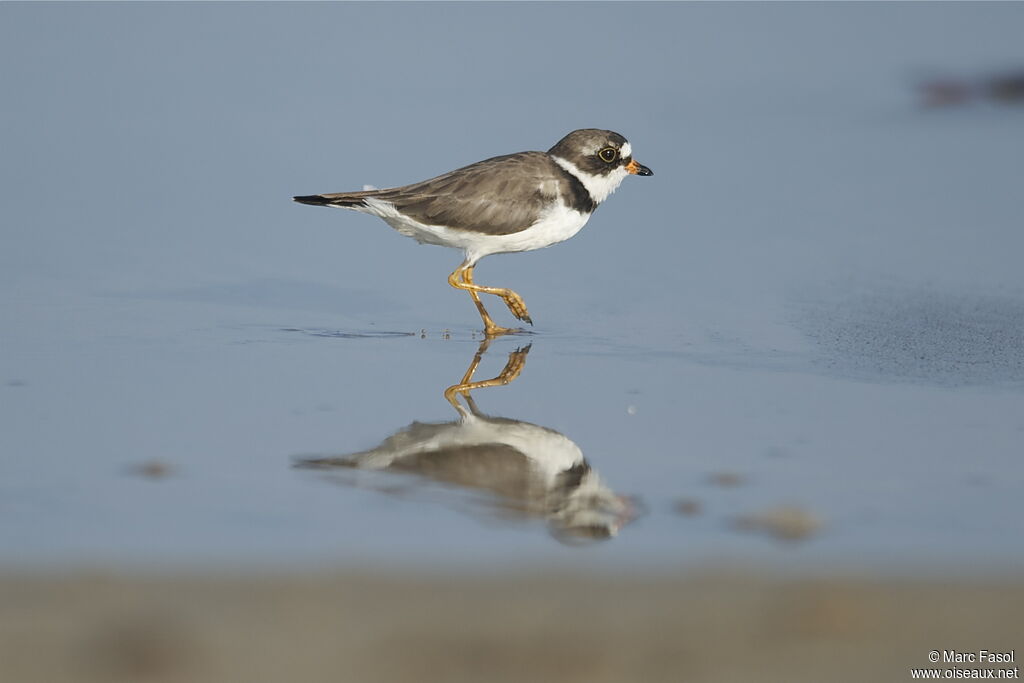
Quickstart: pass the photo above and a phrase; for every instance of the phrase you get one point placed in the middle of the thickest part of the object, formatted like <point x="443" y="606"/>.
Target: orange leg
<point x="462" y="278"/>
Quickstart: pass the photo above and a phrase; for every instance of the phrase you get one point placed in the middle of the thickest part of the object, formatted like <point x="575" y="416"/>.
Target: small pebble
<point x="726" y="479"/>
<point x="687" y="507"/>
<point x="784" y="522"/>
<point x="153" y="469"/>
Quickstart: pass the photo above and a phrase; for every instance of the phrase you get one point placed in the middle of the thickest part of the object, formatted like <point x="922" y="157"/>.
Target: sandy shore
<point x="360" y="627"/>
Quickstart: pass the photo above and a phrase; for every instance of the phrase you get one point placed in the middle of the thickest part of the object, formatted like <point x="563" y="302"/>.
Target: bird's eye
<point x="608" y="154"/>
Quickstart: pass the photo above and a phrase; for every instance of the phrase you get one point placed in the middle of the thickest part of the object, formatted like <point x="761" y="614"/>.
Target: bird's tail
<point x="346" y="200"/>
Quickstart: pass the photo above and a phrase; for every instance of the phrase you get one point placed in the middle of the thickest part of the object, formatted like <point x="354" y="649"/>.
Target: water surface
<point x="800" y="343"/>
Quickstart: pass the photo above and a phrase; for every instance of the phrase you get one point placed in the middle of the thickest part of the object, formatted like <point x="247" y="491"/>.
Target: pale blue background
<point x="821" y="287"/>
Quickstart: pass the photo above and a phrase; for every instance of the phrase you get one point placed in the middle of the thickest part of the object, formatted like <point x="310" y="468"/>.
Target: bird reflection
<point x="521" y="470"/>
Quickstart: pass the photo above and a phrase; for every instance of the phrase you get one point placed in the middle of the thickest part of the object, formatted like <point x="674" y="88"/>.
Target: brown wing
<point x="498" y="196"/>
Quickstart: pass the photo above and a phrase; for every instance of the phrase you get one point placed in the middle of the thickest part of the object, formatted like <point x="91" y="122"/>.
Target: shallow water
<point x="801" y="343"/>
<point x="885" y="472"/>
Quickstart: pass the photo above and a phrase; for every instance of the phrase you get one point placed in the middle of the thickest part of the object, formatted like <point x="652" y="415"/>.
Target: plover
<point x="516" y="202"/>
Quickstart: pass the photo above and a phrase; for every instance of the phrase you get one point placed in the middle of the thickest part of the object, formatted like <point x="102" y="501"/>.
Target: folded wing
<point x="498" y="196"/>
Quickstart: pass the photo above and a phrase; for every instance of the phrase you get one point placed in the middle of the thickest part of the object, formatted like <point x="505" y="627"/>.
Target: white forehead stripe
<point x="626" y="150"/>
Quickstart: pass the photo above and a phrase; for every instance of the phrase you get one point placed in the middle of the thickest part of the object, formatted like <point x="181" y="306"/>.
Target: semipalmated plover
<point x="516" y="202"/>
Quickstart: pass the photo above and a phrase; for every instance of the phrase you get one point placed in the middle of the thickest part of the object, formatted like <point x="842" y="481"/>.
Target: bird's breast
<point x="557" y="224"/>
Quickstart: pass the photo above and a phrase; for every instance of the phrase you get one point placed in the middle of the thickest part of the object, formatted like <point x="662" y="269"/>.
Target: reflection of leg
<point x="467" y="378"/>
<point x="514" y="366"/>
<point x="512" y="369"/>
<point x="462" y="278"/>
<point x="471" y="370"/>
<point x="471" y="403"/>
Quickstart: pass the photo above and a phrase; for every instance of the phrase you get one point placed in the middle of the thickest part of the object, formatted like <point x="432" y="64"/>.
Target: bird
<point x="510" y="203"/>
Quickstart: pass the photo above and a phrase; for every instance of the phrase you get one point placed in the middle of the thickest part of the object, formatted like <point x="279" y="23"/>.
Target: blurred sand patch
<point x="701" y="627"/>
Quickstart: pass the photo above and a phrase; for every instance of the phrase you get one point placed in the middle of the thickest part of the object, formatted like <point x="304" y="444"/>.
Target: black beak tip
<point x="644" y="171"/>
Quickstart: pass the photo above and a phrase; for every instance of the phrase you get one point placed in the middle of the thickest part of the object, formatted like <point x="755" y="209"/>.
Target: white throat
<point x="599" y="186"/>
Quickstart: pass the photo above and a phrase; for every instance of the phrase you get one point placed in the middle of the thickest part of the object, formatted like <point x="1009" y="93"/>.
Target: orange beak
<point x="636" y="168"/>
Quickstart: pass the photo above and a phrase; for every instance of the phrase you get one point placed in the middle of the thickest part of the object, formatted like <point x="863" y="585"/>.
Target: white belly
<point x="556" y="225"/>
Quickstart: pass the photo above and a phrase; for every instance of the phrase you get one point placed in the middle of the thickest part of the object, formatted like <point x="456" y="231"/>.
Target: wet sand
<point x="710" y="626"/>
